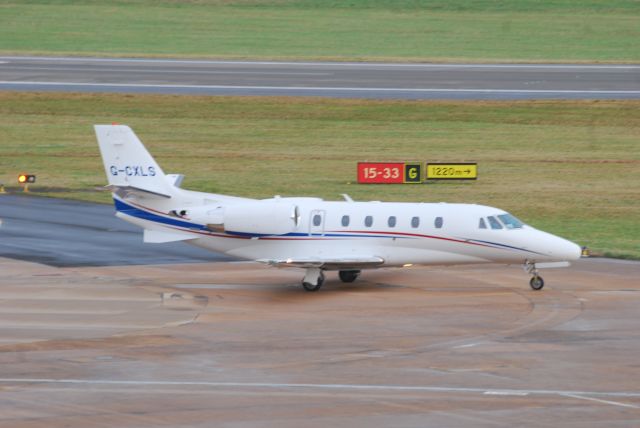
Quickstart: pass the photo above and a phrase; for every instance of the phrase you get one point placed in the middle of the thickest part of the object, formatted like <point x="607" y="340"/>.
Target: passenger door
<point x="316" y="223"/>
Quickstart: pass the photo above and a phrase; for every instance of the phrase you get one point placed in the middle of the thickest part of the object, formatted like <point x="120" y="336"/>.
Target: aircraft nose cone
<point x="566" y="250"/>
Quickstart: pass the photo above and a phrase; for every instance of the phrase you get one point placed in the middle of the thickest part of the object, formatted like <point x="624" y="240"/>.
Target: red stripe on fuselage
<point x="312" y="238"/>
<point x="415" y="235"/>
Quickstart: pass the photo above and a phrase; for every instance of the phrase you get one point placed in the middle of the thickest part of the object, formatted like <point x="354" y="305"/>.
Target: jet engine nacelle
<point x="255" y="218"/>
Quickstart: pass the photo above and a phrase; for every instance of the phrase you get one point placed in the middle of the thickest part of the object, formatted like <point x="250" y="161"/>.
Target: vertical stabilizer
<point x="127" y="162"/>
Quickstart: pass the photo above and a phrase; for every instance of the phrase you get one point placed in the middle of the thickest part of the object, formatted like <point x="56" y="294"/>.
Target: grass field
<point x="410" y="30"/>
<point x="572" y="168"/>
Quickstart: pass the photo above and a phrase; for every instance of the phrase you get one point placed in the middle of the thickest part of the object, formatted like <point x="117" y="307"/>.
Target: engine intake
<point x="255" y="218"/>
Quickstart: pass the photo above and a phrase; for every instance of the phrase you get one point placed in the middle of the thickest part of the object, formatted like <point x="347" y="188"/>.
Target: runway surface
<point x="240" y="344"/>
<point x="325" y="79"/>
<point x="61" y="232"/>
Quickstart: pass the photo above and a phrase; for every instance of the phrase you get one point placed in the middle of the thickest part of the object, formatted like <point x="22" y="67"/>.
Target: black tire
<point x="536" y="283"/>
<point x="348" y="275"/>
<point x="310" y="287"/>
<point x="314" y="287"/>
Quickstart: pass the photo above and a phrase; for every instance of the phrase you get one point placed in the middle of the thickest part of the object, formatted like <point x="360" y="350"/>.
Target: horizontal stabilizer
<point x="124" y="191"/>
<point x="333" y="263"/>
<point x="159" y="237"/>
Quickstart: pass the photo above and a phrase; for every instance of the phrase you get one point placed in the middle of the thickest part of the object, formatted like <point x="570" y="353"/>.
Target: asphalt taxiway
<point x="240" y="344"/>
<point x="61" y="232"/>
<point x="325" y="79"/>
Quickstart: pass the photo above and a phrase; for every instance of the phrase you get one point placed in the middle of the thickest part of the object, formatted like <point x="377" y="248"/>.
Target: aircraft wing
<point x="333" y="263"/>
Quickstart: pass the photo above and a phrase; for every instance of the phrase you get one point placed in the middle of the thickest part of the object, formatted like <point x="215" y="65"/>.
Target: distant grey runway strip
<point x="324" y="79"/>
<point x="60" y="232"/>
<point x="159" y="386"/>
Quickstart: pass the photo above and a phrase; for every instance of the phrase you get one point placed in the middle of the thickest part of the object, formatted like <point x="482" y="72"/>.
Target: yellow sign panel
<point x="452" y="171"/>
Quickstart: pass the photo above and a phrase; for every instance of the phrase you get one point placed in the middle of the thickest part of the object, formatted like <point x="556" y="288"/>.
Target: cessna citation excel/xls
<point x="318" y="235"/>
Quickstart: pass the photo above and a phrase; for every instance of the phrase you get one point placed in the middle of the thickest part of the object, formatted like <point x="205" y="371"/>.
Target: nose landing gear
<point x="536" y="281"/>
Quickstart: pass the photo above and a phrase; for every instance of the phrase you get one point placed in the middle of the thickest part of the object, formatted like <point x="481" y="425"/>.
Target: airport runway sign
<point x="389" y="172"/>
<point x="452" y="171"/>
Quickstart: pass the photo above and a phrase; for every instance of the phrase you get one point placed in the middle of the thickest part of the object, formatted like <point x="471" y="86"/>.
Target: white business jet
<point x="314" y="234"/>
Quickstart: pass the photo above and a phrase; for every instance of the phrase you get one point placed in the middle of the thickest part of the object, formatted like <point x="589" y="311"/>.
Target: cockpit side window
<point x="510" y="222"/>
<point x="482" y="224"/>
<point x="495" y="224"/>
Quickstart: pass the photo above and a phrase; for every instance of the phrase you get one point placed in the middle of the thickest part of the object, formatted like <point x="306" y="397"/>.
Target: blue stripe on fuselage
<point x="313" y="235"/>
<point x="146" y="215"/>
<point x="127" y="209"/>
<point x="505" y="246"/>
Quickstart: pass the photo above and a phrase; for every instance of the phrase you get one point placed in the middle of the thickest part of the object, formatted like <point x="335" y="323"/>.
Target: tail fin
<point x="128" y="164"/>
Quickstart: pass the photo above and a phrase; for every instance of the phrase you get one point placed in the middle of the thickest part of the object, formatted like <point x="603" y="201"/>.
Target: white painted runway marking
<point x="333" y="386"/>
<point x="322" y="89"/>
<point x="613" y="403"/>
<point x="507" y="393"/>
<point x="166" y="71"/>
<point x="333" y="64"/>
<point x="469" y="345"/>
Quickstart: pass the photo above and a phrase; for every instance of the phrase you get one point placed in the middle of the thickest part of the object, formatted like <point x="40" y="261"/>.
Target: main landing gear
<point x="536" y="281"/>
<point x="314" y="278"/>
<point x="348" y="275"/>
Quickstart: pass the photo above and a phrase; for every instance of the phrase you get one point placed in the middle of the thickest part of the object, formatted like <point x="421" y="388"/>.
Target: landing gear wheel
<point x="536" y="282"/>
<point x="308" y="286"/>
<point x="348" y="275"/>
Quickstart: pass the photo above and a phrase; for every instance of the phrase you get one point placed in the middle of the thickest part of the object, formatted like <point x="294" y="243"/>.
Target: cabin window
<point x="392" y="221"/>
<point x="438" y="222"/>
<point x="510" y="222"/>
<point x="345" y="220"/>
<point x="368" y="221"/>
<point x="317" y="220"/>
<point x="415" y="222"/>
<point x="495" y="224"/>
<point x="482" y="224"/>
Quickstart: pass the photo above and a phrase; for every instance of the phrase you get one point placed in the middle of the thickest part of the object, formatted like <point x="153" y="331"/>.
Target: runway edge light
<point x="25" y="179"/>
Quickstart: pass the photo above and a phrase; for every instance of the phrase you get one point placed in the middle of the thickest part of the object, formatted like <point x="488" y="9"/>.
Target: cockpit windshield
<point x="510" y="222"/>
